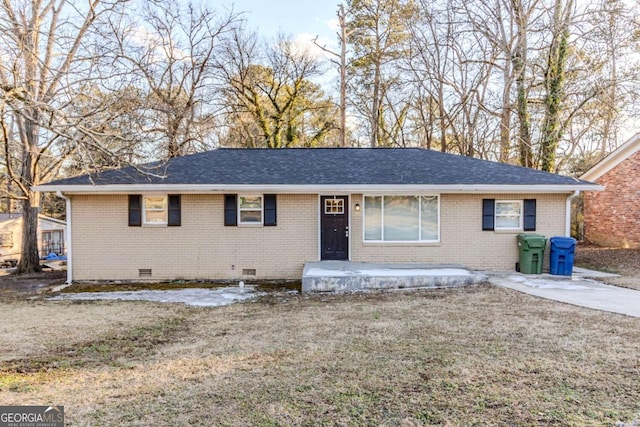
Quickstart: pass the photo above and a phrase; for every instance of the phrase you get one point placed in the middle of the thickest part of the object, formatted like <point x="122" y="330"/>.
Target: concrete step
<point x="346" y="276"/>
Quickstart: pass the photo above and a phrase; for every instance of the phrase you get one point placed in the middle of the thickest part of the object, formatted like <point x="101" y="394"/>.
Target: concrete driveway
<point x="582" y="289"/>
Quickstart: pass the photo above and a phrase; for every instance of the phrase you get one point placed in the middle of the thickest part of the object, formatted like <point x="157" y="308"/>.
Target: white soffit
<point x="313" y="189"/>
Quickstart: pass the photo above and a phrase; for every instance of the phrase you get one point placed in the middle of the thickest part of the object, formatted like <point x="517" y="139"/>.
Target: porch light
<point x="357" y="207"/>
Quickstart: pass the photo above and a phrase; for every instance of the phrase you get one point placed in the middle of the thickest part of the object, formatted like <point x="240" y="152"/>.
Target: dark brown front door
<point x="334" y="227"/>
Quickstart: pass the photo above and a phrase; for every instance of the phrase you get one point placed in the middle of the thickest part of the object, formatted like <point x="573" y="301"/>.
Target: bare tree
<point x="556" y="78"/>
<point x="522" y="13"/>
<point x="601" y="90"/>
<point x="495" y="21"/>
<point x="340" y="60"/>
<point x="452" y="63"/>
<point x="379" y="35"/>
<point x="430" y="62"/>
<point x="173" y="51"/>
<point x="46" y="54"/>
<point x="563" y="14"/>
<point x="270" y="98"/>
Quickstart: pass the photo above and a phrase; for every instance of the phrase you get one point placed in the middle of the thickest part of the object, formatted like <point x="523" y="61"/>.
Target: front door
<point x="334" y="227"/>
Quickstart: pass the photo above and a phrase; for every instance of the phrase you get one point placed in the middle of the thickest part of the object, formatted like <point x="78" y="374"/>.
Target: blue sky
<point x="301" y="20"/>
<point x="292" y="17"/>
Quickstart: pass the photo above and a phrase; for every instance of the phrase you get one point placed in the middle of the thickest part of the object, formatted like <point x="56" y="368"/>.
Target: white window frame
<point x="339" y="206"/>
<point x="364" y="207"/>
<point x="240" y="209"/>
<point x="520" y="219"/>
<point x="166" y="209"/>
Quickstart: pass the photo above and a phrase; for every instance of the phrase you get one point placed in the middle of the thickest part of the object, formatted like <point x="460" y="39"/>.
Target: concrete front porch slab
<point x="345" y="276"/>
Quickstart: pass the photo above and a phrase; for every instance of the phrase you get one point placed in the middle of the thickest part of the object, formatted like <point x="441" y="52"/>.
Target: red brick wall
<point x="612" y="216"/>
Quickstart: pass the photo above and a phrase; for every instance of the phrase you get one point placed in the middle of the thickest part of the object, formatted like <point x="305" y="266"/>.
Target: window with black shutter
<point x="270" y="217"/>
<point x="250" y="210"/>
<point x="488" y="209"/>
<point x="529" y="215"/>
<point x="230" y="210"/>
<point x="174" y="215"/>
<point x="135" y="210"/>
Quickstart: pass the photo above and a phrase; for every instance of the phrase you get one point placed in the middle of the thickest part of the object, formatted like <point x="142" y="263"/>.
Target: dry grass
<point x="625" y="262"/>
<point x="478" y="356"/>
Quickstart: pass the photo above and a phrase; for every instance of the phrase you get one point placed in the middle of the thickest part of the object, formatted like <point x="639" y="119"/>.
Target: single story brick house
<point x="261" y="214"/>
<point x="612" y="216"/>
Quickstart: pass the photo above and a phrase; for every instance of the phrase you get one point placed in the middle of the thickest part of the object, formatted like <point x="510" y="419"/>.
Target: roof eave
<point x="613" y="159"/>
<point x="306" y="189"/>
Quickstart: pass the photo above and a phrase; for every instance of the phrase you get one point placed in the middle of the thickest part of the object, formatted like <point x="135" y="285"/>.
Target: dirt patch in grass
<point x="625" y="262"/>
<point x="22" y="286"/>
<point x="180" y="284"/>
<point x="18" y="287"/>
<point x="475" y="356"/>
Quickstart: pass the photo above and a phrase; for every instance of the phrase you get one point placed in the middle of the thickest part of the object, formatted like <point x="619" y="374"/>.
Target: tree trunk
<point x="343" y="75"/>
<point x="443" y="117"/>
<point x="505" y="117"/>
<point x="554" y="82"/>
<point x="522" y="101"/>
<point x="30" y="136"/>
<point x="375" y="106"/>
<point x="524" y="136"/>
<point x="551" y="131"/>
<point x="30" y="259"/>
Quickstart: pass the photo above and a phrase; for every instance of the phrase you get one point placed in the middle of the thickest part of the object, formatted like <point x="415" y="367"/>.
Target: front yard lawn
<point x="475" y="356"/>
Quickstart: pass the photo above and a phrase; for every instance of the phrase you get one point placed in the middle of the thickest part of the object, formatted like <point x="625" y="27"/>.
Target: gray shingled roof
<point x="325" y="166"/>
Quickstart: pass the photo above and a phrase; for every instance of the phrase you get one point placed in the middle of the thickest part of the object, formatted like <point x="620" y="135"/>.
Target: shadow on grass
<point x="130" y="345"/>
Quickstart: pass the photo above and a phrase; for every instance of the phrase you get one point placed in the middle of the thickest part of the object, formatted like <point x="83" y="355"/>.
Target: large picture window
<point x="401" y="218"/>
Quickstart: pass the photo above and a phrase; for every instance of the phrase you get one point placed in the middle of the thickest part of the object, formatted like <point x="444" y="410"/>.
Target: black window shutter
<point x="488" y="212"/>
<point x="270" y="210"/>
<point x="135" y="210"/>
<point x="529" y="215"/>
<point x="175" y="216"/>
<point x="230" y="210"/>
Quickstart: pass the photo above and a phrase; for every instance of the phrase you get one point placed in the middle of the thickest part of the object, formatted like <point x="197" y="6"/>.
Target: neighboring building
<point x="51" y="234"/>
<point x="612" y="216"/>
<point x="261" y="214"/>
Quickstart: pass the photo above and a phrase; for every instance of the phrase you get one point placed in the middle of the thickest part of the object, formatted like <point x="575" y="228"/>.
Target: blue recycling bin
<point x="562" y="252"/>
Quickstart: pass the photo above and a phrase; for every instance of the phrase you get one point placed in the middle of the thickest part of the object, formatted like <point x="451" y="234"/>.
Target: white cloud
<point x="145" y="37"/>
<point x="333" y="24"/>
<point x="305" y="43"/>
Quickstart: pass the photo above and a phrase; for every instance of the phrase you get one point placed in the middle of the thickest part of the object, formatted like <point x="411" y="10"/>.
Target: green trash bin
<point x="531" y="253"/>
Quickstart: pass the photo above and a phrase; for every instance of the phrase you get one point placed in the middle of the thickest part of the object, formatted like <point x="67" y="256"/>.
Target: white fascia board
<point x="614" y="158"/>
<point x="312" y="189"/>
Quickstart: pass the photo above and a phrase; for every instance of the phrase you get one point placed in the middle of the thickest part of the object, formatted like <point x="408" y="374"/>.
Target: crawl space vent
<point x="248" y="271"/>
<point x="144" y="272"/>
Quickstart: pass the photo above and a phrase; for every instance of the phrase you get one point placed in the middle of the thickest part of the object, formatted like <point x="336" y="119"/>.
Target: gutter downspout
<point x="67" y="237"/>
<point x="567" y="210"/>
